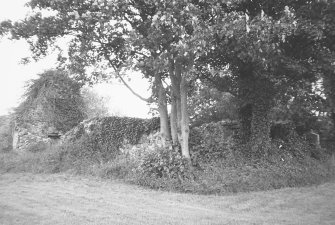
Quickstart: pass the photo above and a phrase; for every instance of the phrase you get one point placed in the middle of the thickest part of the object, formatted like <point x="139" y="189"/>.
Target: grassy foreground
<point x="228" y="174"/>
<point x="59" y="199"/>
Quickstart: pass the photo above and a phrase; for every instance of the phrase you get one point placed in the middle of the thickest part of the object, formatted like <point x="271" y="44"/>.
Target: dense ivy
<point x="111" y="133"/>
<point x="54" y="100"/>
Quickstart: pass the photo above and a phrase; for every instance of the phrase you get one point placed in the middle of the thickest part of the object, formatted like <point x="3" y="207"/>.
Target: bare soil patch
<point x="64" y="199"/>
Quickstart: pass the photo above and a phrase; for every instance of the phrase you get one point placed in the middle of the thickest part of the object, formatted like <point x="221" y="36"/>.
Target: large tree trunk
<point x="162" y="108"/>
<point x="245" y="118"/>
<point x="256" y="96"/>
<point x="245" y="107"/>
<point x="173" y="121"/>
<point x="174" y="104"/>
<point x="185" y="130"/>
<point x="179" y="114"/>
<point x="260" y="130"/>
<point x="263" y="93"/>
<point x="175" y="82"/>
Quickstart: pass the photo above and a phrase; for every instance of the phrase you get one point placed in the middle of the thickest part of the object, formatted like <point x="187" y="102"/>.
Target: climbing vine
<point x="111" y="133"/>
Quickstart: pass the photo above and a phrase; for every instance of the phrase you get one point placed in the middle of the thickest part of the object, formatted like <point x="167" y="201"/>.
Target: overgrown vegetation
<point x="113" y="132"/>
<point x="217" y="168"/>
<point x="52" y="99"/>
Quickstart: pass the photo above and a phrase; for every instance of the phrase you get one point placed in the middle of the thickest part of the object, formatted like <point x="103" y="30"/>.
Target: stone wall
<point x="29" y="136"/>
<point x="23" y="139"/>
<point x="148" y="143"/>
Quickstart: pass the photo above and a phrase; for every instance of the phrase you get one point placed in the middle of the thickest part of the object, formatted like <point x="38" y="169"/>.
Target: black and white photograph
<point x="167" y="112"/>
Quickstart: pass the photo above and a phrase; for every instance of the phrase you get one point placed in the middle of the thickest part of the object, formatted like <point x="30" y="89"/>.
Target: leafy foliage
<point x="165" y="163"/>
<point x="268" y="47"/>
<point x="301" y="106"/>
<point x="206" y="105"/>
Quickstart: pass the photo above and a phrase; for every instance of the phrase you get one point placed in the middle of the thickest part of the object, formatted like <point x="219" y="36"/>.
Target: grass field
<point x="65" y="199"/>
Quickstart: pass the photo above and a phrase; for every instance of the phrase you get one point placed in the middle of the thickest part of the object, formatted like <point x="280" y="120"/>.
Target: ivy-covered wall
<point x="112" y="133"/>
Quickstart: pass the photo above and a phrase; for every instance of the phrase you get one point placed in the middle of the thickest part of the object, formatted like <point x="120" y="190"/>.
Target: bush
<point x="165" y="163"/>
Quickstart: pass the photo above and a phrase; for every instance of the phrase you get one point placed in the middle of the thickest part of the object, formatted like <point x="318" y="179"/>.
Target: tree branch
<point x="148" y="100"/>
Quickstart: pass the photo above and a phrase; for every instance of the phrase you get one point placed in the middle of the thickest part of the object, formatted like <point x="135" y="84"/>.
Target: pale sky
<point x="13" y="75"/>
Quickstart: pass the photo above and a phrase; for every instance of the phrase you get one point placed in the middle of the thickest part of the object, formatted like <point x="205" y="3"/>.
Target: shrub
<point x="164" y="163"/>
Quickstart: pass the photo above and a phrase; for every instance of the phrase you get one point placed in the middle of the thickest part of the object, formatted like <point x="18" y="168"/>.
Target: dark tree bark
<point x="245" y="105"/>
<point x="245" y="118"/>
<point x="260" y="129"/>
<point x="256" y="96"/>
<point x="260" y="125"/>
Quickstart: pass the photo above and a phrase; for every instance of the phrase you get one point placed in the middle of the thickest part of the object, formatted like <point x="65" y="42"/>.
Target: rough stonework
<point x="27" y="136"/>
<point x="148" y="143"/>
<point x="83" y="128"/>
